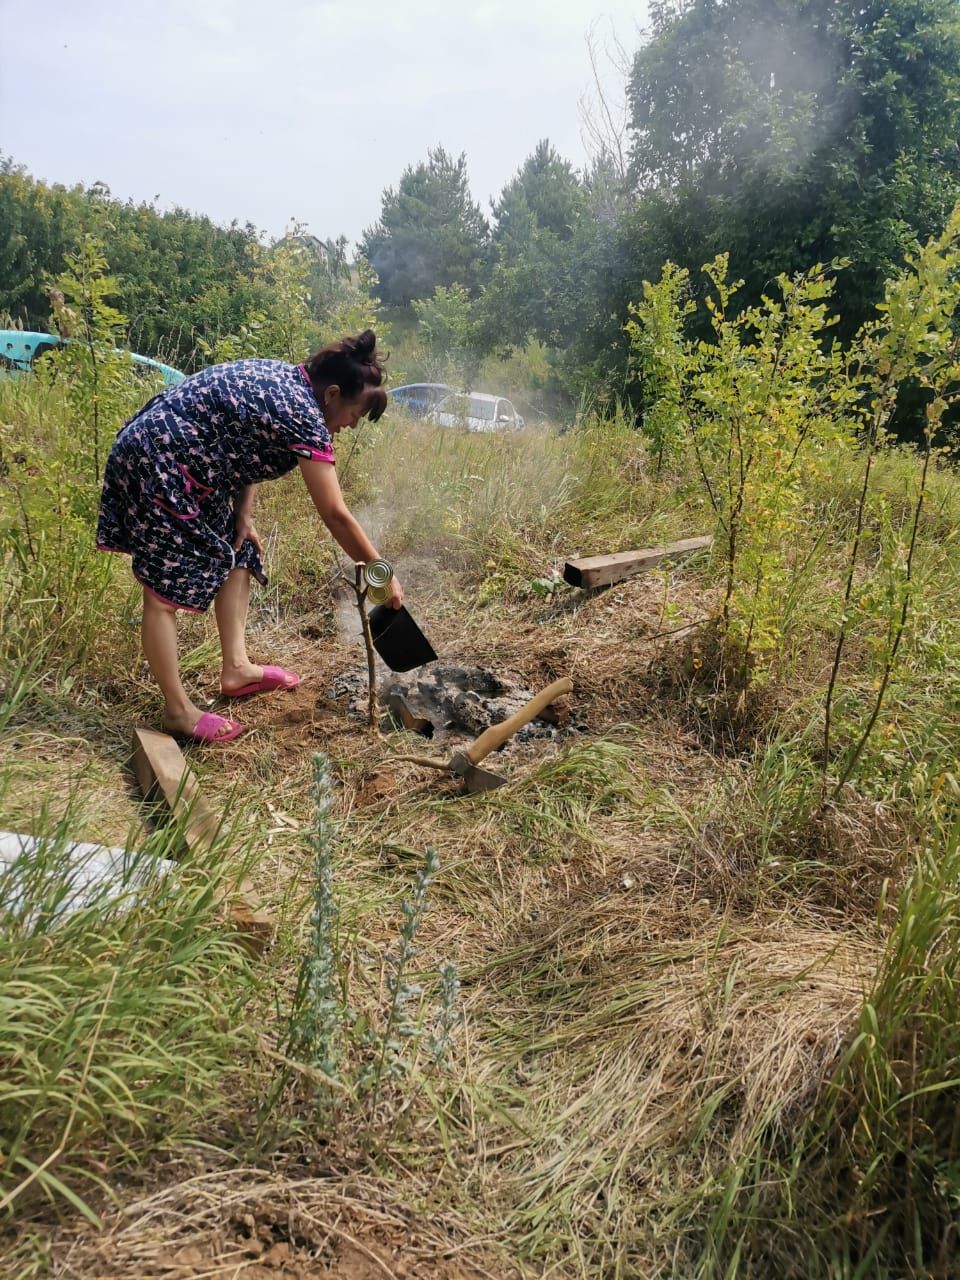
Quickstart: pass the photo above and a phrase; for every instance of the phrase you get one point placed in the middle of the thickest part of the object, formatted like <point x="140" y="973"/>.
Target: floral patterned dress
<point x="175" y="468"/>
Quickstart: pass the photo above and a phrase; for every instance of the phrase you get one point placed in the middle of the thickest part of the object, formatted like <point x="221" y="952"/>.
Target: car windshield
<point x="425" y="393"/>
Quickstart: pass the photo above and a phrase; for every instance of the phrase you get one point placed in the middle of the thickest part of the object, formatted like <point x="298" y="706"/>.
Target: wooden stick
<point x="500" y="733"/>
<point x="372" y="713"/>
<point x="424" y="761"/>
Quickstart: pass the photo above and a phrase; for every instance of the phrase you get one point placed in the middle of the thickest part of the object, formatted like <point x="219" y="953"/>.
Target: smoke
<point x="731" y="88"/>
<point x="796" y="74"/>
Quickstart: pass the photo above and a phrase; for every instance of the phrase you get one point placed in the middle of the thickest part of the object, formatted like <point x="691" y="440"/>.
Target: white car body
<point x="476" y="411"/>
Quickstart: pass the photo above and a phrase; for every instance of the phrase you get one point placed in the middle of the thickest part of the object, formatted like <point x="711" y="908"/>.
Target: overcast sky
<point x="265" y="110"/>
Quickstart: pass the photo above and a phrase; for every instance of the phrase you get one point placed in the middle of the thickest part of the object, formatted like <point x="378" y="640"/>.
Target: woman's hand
<point x="243" y="519"/>
<point x="321" y="480"/>
<point x="243" y="524"/>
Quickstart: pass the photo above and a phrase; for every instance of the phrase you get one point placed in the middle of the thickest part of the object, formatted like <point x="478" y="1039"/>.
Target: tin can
<point x="378" y="574"/>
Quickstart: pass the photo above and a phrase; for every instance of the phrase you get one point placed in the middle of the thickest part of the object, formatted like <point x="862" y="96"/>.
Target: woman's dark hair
<point x="354" y="365"/>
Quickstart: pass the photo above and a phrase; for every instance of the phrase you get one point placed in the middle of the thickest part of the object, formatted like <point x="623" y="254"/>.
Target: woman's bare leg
<point x="230" y="607"/>
<point x="159" y="635"/>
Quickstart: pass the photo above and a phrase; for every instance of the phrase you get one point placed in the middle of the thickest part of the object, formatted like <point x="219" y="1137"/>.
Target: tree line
<point x="189" y="290"/>
<point x="782" y="132"/>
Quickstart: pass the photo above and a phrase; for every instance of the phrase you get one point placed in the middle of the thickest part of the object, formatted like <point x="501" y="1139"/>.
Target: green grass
<point x="709" y="1011"/>
<point x="122" y="1019"/>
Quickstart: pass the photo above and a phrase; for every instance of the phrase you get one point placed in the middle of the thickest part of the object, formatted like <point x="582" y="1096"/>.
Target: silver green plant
<point x="441" y="1037"/>
<point x="401" y="1024"/>
<point x="318" y="1009"/>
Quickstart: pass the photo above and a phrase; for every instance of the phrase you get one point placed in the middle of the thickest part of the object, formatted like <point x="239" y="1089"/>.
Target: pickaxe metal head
<point x="466" y="762"/>
<point x="477" y="779"/>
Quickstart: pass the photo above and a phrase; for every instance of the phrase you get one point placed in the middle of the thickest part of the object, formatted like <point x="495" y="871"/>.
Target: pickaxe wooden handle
<point x="498" y="734"/>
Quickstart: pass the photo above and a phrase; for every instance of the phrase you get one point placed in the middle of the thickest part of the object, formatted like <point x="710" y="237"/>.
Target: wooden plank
<point x="160" y="765"/>
<point x="601" y="571"/>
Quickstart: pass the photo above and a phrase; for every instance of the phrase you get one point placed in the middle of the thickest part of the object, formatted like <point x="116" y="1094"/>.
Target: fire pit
<point x="444" y="701"/>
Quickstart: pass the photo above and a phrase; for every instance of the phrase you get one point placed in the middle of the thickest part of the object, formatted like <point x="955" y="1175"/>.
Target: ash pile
<point x="443" y="700"/>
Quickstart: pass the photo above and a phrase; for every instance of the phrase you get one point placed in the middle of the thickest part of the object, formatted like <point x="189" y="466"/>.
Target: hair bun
<point x="364" y="346"/>
<point x="354" y="364"/>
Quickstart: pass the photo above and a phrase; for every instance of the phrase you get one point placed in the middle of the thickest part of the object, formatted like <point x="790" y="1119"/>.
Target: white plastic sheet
<point x="80" y="874"/>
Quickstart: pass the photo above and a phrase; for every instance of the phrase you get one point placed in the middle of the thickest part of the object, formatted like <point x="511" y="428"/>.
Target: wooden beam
<point x="160" y="766"/>
<point x="601" y="571"/>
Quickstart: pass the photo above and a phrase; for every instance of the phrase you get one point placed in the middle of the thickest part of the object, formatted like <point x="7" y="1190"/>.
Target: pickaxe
<point x="466" y="762"/>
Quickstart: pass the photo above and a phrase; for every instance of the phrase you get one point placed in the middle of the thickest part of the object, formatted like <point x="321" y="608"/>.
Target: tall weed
<point x="348" y="1053"/>
<point x="895" y="1099"/>
<point x="62" y="603"/>
<point x="121" y="1014"/>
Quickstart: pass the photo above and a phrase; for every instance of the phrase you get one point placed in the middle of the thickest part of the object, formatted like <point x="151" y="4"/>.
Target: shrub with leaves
<point x="915" y="340"/>
<point x="345" y="300"/>
<point x="101" y="387"/>
<point x="447" y="334"/>
<point x="658" y="360"/>
<point x="756" y="404"/>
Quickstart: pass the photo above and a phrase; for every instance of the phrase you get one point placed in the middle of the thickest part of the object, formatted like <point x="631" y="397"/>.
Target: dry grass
<point x="256" y="1224"/>
<point x="661" y="958"/>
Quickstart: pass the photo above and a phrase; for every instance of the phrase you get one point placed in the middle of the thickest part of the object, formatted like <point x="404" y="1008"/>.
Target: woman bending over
<point x="178" y="498"/>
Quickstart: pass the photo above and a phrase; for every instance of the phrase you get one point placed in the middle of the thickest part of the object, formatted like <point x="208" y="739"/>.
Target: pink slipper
<point x="209" y="728"/>
<point x="273" y="678"/>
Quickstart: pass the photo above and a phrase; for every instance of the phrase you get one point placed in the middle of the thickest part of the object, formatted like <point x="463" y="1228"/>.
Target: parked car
<point x="419" y="397"/>
<point x="21" y="348"/>
<point x="476" y="411"/>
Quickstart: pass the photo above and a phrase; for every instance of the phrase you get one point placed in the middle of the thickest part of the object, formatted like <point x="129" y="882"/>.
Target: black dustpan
<point x="398" y="639"/>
